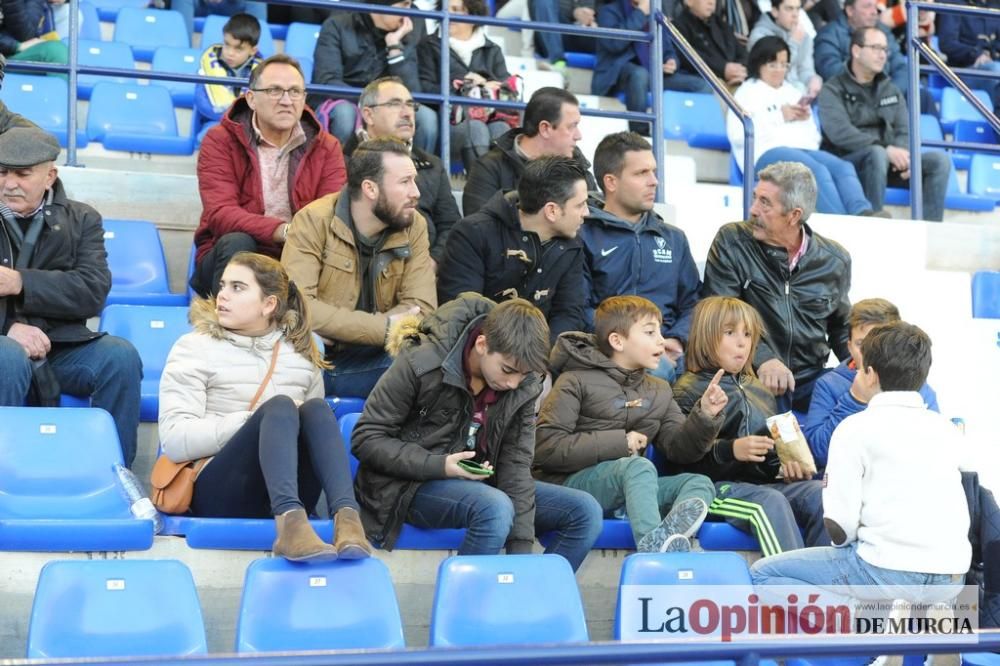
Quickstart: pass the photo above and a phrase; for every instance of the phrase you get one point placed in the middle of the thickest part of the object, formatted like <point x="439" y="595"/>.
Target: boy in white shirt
<point x="893" y="472"/>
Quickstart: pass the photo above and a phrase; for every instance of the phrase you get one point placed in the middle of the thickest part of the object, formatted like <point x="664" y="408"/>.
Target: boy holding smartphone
<point x="447" y="435"/>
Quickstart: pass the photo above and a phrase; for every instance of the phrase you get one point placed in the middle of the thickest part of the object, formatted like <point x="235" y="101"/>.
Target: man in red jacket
<point x="266" y="159"/>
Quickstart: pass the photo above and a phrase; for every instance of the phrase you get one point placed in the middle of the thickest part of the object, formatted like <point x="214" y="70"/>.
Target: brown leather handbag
<point x="173" y="483"/>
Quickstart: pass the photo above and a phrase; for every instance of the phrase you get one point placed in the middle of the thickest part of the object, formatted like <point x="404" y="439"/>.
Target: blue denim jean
<point x="839" y="190"/>
<point x="487" y="515"/>
<point x="107" y="369"/>
<point x="344" y="120"/>
<point x="632" y="483"/>
<point x="872" y="164"/>
<point x="191" y="8"/>
<point x="355" y="371"/>
<point x="842" y="567"/>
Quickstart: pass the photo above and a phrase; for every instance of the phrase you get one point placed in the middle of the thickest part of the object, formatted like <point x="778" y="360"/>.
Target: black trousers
<point x="208" y="271"/>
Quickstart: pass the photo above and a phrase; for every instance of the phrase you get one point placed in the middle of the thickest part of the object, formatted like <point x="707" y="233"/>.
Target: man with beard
<point x="264" y="161"/>
<point x="629" y="249"/>
<point x="523" y="244"/>
<point x="388" y="109"/>
<point x="361" y="259"/>
<point x="796" y="279"/>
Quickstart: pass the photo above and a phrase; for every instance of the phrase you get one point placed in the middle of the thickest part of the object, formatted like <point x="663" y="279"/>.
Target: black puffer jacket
<point x="500" y="170"/>
<point x="804" y="311"/>
<point x="437" y="204"/>
<point x="746" y="413"/>
<point x="420" y="412"/>
<point x="490" y="254"/>
<point x="67" y="280"/>
<point x="594" y="403"/>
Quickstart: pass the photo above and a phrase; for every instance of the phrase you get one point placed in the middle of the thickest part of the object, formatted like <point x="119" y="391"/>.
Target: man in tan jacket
<point x="362" y="259"/>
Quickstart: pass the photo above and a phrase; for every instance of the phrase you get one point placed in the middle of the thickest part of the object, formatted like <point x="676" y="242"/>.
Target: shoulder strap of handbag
<point x="267" y="377"/>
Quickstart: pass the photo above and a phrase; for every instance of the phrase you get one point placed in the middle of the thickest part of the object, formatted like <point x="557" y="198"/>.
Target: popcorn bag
<point x="790" y="442"/>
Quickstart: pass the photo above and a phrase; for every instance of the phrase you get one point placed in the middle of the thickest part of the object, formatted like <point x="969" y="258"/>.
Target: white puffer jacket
<point x="210" y="377"/>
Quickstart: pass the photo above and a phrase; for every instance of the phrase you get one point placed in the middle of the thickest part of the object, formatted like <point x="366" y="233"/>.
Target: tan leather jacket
<point x="322" y="259"/>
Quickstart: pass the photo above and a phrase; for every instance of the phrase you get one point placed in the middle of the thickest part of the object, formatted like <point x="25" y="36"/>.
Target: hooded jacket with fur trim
<point x="212" y="374"/>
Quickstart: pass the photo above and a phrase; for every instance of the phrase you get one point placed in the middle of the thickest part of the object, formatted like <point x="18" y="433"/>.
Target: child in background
<point x="893" y="494"/>
<point x="603" y="410"/>
<point x="236" y="57"/>
<point x="743" y="463"/>
<point x="842" y="392"/>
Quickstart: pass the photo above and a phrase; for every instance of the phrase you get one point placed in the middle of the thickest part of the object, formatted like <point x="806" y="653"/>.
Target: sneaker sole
<point x="685" y="517"/>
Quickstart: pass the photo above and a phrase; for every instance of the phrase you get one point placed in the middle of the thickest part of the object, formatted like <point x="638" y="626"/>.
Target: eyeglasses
<point x="398" y="104"/>
<point x="276" y="93"/>
<point x="876" y="47"/>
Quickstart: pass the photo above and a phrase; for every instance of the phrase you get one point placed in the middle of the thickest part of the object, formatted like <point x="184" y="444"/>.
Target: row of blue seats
<point x="133" y="608"/>
<point x="58" y="493"/>
<point x="146" y="608"/>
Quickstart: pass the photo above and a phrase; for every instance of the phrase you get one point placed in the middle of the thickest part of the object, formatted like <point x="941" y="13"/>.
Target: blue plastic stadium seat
<point x="102" y="54"/>
<point x="581" y="60"/>
<point x="147" y="29"/>
<point x="115" y="608"/>
<point x="211" y="33"/>
<point x="984" y="175"/>
<point x="695" y="118"/>
<point x="135" y="118"/>
<point x="177" y="60"/>
<point x="300" y="42"/>
<point x="986" y="295"/>
<point x="955" y="107"/>
<point x="971" y="131"/>
<point x="42" y="100"/>
<point x="307" y="68"/>
<point x="955" y="198"/>
<point x="346" y="405"/>
<point x="138" y="266"/>
<point x="720" y="536"/>
<point x="58" y="491"/>
<point x="90" y="27"/>
<point x="108" y="9"/>
<point x="344" y="605"/>
<point x="498" y="599"/>
<point x="980" y="659"/>
<point x="152" y="330"/>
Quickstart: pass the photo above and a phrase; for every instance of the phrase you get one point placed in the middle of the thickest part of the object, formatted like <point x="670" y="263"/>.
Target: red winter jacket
<point x="232" y="196"/>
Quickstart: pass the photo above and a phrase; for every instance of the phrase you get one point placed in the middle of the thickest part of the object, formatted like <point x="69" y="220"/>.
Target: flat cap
<point x="27" y="146"/>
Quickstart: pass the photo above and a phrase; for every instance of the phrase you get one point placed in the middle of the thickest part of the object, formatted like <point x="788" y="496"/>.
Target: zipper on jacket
<point x="745" y="426"/>
<point x="788" y="309"/>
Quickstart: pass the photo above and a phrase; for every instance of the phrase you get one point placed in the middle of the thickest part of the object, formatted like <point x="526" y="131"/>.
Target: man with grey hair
<point x="388" y="110"/>
<point x="53" y="277"/>
<point x="796" y="279"/>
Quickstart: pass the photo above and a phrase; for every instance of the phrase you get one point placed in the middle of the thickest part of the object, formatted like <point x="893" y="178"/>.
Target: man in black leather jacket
<point x="798" y="281"/>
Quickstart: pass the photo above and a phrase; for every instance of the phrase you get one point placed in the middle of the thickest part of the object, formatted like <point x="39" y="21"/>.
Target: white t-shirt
<point x="893" y="483"/>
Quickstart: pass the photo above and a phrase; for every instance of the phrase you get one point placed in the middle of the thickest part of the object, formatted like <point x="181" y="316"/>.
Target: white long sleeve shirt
<point x="893" y="483"/>
<point x="771" y="130"/>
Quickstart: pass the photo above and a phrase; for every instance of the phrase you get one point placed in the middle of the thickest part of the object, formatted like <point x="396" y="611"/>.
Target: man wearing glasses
<point x="266" y="159"/>
<point x="388" y="110"/>
<point x="864" y="120"/>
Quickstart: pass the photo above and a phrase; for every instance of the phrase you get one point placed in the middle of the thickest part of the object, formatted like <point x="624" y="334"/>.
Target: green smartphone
<point x="472" y="467"/>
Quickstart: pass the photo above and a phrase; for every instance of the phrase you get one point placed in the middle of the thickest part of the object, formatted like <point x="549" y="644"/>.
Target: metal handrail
<point x="914" y="49"/>
<point x="444" y="98"/>
<point x="722" y="91"/>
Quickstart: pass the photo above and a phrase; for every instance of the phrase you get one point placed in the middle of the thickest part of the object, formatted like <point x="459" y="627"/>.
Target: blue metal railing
<point x="914" y="50"/>
<point x="722" y="91"/>
<point x="747" y="653"/>
<point x="445" y="97"/>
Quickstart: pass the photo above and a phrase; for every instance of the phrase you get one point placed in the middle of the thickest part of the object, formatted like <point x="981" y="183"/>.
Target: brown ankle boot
<point x="349" y="536"/>
<point x="297" y="541"/>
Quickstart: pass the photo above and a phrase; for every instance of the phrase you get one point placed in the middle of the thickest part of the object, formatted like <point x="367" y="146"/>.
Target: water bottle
<point x="139" y="504"/>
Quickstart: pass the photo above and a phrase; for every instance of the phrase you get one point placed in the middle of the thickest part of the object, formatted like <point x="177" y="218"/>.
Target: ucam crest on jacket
<point x="419" y="413"/>
<point x="594" y="403"/>
<point x="229" y="179"/>
<point x="650" y="258"/>
<point x="212" y="374"/>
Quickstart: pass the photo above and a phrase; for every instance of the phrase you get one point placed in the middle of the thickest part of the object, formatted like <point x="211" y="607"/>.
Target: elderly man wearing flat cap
<point x="355" y="49"/>
<point x="53" y="276"/>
